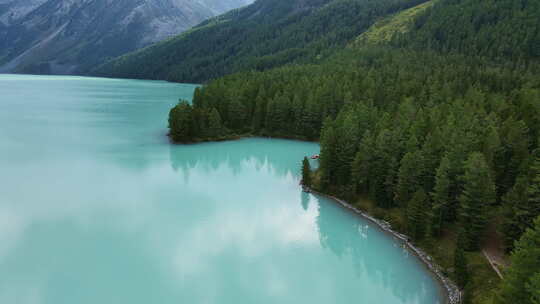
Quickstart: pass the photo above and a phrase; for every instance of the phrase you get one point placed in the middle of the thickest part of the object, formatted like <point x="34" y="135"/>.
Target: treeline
<point x="264" y="35"/>
<point x="504" y="30"/>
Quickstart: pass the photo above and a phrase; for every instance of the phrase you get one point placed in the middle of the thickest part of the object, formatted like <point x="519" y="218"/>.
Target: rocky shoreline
<point x="452" y="291"/>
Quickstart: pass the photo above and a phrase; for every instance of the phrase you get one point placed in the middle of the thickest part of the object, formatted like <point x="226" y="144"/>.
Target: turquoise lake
<point x="96" y="206"/>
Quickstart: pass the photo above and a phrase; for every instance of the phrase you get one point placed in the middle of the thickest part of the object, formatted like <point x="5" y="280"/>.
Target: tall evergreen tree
<point x="181" y="122"/>
<point x="532" y="209"/>
<point x="329" y="142"/>
<point x="306" y="172"/>
<point x="215" y="128"/>
<point x="477" y="195"/>
<point x="533" y="287"/>
<point x="409" y="176"/>
<point x="460" y="262"/>
<point x="525" y="263"/>
<point x="416" y="211"/>
<point x="441" y="196"/>
<point x="236" y="113"/>
<point x="512" y="226"/>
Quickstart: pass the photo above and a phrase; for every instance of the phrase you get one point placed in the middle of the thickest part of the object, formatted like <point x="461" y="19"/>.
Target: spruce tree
<point x="416" y="212"/>
<point x="441" y="196"/>
<point x="525" y="263"/>
<point x="181" y="122"/>
<point x="533" y="287"/>
<point x="236" y="113"/>
<point x="258" y="119"/>
<point x="532" y="209"/>
<point x="306" y="172"/>
<point x="512" y="222"/>
<point x="409" y="177"/>
<point x="215" y="128"/>
<point x="361" y="166"/>
<point x="329" y="140"/>
<point x="477" y="195"/>
<point x="460" y="263"/>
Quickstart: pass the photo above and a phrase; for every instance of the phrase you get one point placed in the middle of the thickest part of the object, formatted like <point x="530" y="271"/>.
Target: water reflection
<point x="304" y="198"/>
<point x="276" y="153"/>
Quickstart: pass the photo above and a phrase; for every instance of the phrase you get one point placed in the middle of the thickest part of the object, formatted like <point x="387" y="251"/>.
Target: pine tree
<point x="360" y="168"/>
<point x="236" y="113"/>
<point x="533" y="287"/>
<point x="409" y="177"/>
<point x="215" y="128"/>
<point x="525" y="263"/>
<point x="181" y="122"/>
<point x="306" y="172"/>
<point x="460" y="263"/>
<point x="441" y="196"/>
<point x="416" y="212"/>
<point x="346" y="147"/>
<point x="477" y="195"/>
<point x="329" y="140"/>
<point x="512" y="225"/>
<point x="532" y="209"/>
<point x="257" y="122"/>
<point x="198" y="100"/>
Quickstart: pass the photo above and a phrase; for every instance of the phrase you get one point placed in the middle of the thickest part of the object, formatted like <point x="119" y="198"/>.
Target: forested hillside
<point x="264" y="35"/>
<point x="435" y="130"/>
<point x="506" y="30"/>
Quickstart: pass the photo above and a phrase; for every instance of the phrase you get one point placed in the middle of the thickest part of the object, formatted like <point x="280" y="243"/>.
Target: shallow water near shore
<point x="96" y="206"/>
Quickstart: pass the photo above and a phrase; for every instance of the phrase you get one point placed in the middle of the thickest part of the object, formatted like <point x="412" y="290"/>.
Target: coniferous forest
<point x="435" y="129"/>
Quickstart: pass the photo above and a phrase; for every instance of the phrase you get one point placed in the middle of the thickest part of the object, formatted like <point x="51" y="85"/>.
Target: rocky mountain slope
<point x="263" y="35"/>
<point x="72" y="36"/>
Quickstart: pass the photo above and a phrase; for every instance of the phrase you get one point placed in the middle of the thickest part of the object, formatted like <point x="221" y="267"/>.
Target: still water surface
<point x="97" y="207"/>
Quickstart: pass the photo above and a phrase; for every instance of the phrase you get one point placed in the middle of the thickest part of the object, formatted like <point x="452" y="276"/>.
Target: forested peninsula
<point x="427" y="113"/>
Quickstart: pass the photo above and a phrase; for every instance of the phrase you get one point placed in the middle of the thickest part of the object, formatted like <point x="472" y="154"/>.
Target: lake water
<point x="97" y="207"/>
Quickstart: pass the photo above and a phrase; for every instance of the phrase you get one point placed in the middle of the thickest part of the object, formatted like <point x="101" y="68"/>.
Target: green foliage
<point x="215" y="127"/>
<point x="416" y="211"/>
<point x="522" y="203"/>
<point x="181" y="122"/>
<point x="478" y="194"/>
<point x="498" y="29"/>
<point x="189" y="123"/>
<point x="409" y="176"/>
<point x="522" y="276"/>
<point x="460" y="263"/>
<point x="441" y="196"/>
<point x="533" y="287"/>
<point x="306" y="172"/>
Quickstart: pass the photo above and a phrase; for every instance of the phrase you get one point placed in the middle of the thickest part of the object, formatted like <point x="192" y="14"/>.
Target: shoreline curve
<point x="452" y="292"/>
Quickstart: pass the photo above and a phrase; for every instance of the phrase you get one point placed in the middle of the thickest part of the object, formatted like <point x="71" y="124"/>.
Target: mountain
<point x="261" y="36"/>
<point x="13" y="10"/>
<point x="72" y="36"/>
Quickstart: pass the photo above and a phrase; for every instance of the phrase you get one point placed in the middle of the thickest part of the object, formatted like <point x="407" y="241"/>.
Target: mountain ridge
<point x="66" y="36"/>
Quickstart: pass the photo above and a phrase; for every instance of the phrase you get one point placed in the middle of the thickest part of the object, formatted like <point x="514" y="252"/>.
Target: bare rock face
<point x="72" y="36"/>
